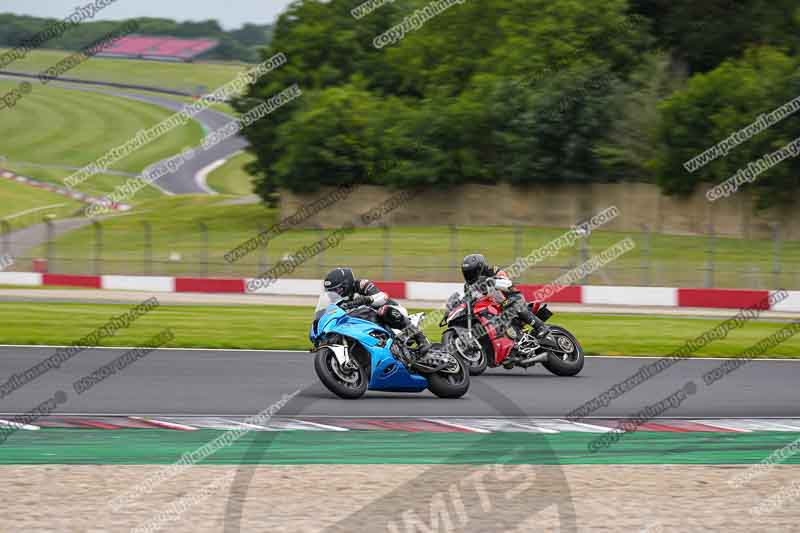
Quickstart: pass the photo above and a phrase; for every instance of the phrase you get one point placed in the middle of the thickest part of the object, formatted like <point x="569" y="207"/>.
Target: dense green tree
<point x="629" y="148"/>
<point x="459" y="86"/>
<point x="714" y="106"/>
<point x="331" y="137"/>
<point x="708" y="32"/>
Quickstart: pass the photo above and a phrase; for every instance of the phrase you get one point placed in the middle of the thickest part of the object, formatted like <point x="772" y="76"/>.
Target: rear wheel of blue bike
<point x="452" y="381"/>
<point x="457" y="342"/>
<point x="347" y="381"/>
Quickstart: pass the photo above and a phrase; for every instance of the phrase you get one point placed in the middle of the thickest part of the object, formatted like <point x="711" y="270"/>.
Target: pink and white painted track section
<point x="414" y="425"/>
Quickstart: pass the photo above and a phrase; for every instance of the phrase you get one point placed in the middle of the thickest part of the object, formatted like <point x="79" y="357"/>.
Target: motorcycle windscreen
<point x="325" y="299"/>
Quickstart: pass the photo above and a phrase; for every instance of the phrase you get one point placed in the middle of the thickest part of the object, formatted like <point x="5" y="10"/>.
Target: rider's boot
<point x="417" y="337"/>
<point x="541" y="331"/>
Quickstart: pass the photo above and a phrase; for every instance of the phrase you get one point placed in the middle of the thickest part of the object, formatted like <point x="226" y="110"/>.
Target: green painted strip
<point x="144" y="446"/>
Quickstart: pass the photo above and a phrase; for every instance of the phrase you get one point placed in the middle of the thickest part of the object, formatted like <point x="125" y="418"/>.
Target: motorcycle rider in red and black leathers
<point x="364" y="292"/>
<point x="476" y="272"/>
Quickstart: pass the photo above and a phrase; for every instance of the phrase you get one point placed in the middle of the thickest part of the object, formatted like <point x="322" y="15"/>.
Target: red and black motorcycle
<point x="484" y="335"/>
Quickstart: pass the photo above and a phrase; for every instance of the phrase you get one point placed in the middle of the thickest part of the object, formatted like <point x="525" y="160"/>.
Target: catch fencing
<point x="400" y="253"/>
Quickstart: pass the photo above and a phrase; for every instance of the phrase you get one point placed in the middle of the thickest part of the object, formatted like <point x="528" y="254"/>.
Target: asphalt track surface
<point x="241" y="382"/>
<point x="182" y="180"/>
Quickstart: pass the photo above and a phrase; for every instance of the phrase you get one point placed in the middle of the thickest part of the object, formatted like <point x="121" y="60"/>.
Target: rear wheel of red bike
<point x="569" y="363"/>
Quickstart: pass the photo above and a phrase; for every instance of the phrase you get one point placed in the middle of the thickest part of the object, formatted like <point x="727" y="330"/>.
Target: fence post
<point x="320" y="263"/>
<point x="262" y="250"/>
<point x="757" y="282"/>
<point x="387" y="252"/>
<point x="776" y="260"/>
<point x="204" y="252"/>
<point x="585" y="255"/>
<point x="51" y="245"/>
<point x="646" y="265"/>
<point x="518" y="238"/>
<point x="5" y="229"/>
<point x="98" y="246"/>
<point x="454" y="248"/>
<point x="148" y="248"/>
<point x="709" y="281"/>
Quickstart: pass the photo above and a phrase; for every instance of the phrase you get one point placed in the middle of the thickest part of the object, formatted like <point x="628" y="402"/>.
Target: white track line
<point x="321" y="426"/>
<point x="589" y="427"/>
<point x="159" y="349"/>
<point x="648" y="357"/>
<point x="714" y="423"/>
<point x="787" y="426"/>
<point x="202" y="174"/>
<point x="17" y="425"/>
<point x="247" y="425"/>
<point x="163" y="424"/>
<point x="9" y="217"/>
<point x="530" y="424"/>
<point x="457" y="426"/>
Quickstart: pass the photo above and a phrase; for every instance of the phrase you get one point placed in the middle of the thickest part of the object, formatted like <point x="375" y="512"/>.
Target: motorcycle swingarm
<point x="422" y="369"/>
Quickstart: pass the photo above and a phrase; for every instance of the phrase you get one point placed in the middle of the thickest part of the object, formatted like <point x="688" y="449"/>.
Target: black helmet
<point x="473" y="266"/>
<point x="340" y="281"/>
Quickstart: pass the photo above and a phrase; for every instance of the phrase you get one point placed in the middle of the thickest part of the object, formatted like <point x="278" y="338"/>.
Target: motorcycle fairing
<point x="388" y="373"/>
<point x="484" y="309"/>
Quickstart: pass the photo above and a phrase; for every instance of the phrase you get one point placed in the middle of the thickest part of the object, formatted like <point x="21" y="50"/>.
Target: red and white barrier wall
<point x="420" y="290"/>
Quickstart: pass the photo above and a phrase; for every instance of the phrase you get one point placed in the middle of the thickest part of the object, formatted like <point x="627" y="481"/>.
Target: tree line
<point x="527" y="92"/>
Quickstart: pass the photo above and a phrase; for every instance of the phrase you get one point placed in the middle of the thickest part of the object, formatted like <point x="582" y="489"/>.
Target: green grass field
<point x="154" y="446"/>
<point x="98" y="185"/>
<point x="280" y="327"/>
<point x="231" y="177"/>
<point x="414" y="253"/>
<point x="73" y="128"/>
<point x="51" y="130"/>
<point x="23" y="205"/>
<point x="178" y="76"/>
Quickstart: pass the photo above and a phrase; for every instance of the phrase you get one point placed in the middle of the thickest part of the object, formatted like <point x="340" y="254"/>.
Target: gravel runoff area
<point x="376" y="498"/>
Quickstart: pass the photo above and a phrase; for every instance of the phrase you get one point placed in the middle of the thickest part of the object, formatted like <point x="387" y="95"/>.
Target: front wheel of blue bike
<point x="349" y="382"/>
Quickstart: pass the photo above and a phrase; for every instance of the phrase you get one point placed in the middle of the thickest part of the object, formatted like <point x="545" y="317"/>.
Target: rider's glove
<point x="362" y="300"/>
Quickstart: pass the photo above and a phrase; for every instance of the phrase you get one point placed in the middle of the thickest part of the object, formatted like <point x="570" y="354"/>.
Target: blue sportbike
<point x="354" y="352"/>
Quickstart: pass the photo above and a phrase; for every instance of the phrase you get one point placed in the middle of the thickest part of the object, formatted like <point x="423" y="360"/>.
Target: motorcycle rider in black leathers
<point x="364" y="292"/>
<point x="476" y="271"/>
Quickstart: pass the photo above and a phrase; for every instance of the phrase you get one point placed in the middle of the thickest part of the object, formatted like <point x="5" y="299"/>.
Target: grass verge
<point x="144" y="446"/>
<point x="231" y="178"/>
<point x="23" y="205"/>
<point x="281" y="327"/>
<point x="74" y="128"/>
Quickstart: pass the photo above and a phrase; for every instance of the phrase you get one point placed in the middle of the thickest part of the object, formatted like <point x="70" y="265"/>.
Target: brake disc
<point x="565" y="344"/>
<point x="350" y="377"/>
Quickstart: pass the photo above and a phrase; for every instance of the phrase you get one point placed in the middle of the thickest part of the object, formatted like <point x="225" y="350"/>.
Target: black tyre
<point x="347" y="383"/>
<point x="568" y="364"/>
<point x="451" y="382"/>
<point x="474" y="356"/>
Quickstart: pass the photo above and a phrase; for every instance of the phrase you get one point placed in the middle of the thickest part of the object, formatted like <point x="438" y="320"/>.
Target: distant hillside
<point x="241" y="44"/>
